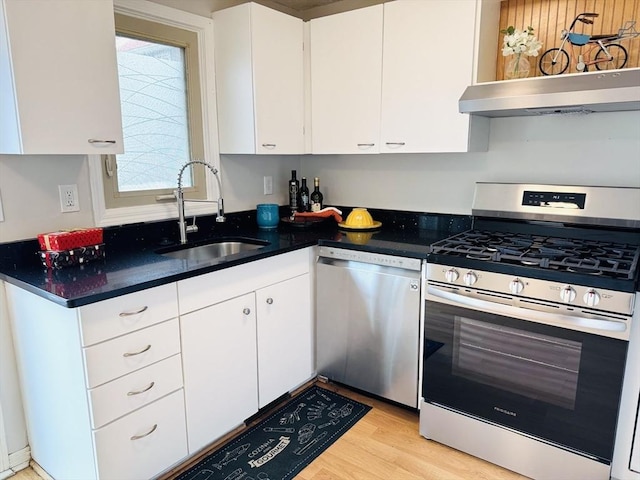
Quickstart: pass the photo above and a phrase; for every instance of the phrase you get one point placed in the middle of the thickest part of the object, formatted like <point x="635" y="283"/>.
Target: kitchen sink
<point x="212" y="249"/>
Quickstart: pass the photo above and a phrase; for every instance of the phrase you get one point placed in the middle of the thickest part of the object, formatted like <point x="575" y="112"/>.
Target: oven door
<point x="559" y="385"/>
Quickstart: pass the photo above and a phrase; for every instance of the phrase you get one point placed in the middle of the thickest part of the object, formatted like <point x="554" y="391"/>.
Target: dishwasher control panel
<point x="371" y="257"/>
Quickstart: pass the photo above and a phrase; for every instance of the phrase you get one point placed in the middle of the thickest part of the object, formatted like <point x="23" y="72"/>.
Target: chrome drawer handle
<point x="145" y="349"/>
<point x="269" y="145"/>
<point x="366" y="144"/>
<point x="128" y="314"/>
<point x="95" y="140"/>
<point x="138" y="437"/>
<point x="269" y="300"/>
<point x="138" y="392"/>
<point x="246" y="311"/>
<point x="397" y="144"/>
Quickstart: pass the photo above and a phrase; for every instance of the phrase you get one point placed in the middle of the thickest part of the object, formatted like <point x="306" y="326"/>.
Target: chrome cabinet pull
<point x="138" y="392"/>
<point x="269" y="145"/>
<point x="145" y="349"/>
<point x="246" y="311"/>
<point x="269" y="300"/>
<point x="138" y="437"/>
<point x="366" y="144"/>
<point x="128" y="314"/>
<point x="395" y="144"/>
<point x="96" y="140"/>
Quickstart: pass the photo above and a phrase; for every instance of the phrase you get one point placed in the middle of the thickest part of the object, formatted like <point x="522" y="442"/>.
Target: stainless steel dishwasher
<point x="368" y="322"/>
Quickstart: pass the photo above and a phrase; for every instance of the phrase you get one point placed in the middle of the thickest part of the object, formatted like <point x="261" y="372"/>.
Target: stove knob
<point x="451" y="275"/>
<point x="567" y="294"/>
<point x="592" y="298"/>
<point x="470" y="278"/>
<point x="516" y="286"/>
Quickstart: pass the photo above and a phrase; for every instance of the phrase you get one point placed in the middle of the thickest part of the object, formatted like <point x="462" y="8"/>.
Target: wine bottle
<point x="294" y="186"/>
<point x="304" y="196"/>
<point x="316" y="197"/>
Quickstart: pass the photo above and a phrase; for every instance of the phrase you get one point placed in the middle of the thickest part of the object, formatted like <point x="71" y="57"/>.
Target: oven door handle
<point x="609" y="328"/>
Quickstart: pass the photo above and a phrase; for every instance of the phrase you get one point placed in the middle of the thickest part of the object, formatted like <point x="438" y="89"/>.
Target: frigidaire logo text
<point x="506" y="412"/>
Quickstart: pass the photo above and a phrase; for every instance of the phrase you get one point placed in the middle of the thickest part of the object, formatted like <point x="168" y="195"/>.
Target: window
<point x="160" y="95"/>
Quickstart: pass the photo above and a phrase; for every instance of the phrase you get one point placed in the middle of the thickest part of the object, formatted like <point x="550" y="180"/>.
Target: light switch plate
<point x="1" y="214"/>
<point x="268" y="185"/>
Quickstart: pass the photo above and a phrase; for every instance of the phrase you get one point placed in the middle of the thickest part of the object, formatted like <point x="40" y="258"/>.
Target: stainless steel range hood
<point x="606" y="91"/>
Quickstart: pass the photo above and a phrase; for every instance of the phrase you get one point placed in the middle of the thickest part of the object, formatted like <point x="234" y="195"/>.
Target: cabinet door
<point x="285" y="338"/>
<point x="219" y="368"/>
<point x="424" y="74"/>
<point x="259" y="80"/>
<point x="346" y="64"/>
<point x="278" y="75"/>
<point x="59" y="78"/>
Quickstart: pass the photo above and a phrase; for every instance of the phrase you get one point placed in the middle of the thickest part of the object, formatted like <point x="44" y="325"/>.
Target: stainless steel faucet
<point x="182" y="224"/>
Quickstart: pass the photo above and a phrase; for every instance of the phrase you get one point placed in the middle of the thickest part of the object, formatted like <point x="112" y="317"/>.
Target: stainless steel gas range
<point x="528" y="318"/>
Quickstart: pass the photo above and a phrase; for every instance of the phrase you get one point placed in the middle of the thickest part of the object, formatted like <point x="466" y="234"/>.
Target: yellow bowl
<point x="359" y="218"/>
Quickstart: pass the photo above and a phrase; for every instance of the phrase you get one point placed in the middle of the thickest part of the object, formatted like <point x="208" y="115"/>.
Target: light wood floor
<point x="384" y="445"/>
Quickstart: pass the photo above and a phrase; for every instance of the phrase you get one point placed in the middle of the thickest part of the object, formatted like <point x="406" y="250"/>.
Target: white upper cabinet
<point x="387" y="79"/>
<point x="259" y="80"/>
<point x="428" y="61"/>
<point x="58" y="78"/>
<point x="346" y="64"/>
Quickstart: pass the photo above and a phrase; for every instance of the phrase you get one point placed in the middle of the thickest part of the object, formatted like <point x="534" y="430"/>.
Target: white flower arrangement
<point x="520" y="42"/>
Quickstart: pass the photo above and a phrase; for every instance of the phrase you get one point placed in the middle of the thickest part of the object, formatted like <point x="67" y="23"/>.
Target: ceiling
<point x="301" y="5"/>
<point x="308" y="9"/>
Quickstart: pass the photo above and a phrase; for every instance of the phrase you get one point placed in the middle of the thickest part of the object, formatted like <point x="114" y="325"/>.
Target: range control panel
<point x="554" y="199"/>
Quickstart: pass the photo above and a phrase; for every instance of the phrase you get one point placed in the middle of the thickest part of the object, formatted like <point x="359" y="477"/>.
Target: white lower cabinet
<point x="284" y="337"/>
<point x="109" y="408"/>
<point x="129" y="387"/>
<point x="220" y="368"/>
<point x="249" y="347"/>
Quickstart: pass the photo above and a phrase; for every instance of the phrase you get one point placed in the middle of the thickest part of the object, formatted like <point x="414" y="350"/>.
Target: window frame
<point x="105" y="215"/>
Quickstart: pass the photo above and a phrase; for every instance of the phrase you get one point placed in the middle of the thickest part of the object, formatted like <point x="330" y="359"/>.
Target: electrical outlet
<point x="268" y="185"/>
<point x="69" y="198"/>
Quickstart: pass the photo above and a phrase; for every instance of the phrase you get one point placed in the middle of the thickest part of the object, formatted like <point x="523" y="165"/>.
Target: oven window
<point x="532" y="364"/>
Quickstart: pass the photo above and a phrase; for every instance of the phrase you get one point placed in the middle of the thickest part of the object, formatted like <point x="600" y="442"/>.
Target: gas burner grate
<point x="591" y="257"/>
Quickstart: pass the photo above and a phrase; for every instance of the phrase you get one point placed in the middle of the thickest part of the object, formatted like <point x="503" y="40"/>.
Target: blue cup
<point x="268" y="215"/>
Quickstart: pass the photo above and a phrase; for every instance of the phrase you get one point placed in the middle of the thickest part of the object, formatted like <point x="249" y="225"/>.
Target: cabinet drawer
<point x="145" y="442"/>
<point x="128" y="393"/>
<point x="122" y="355"/>
<point x="118" y="316"/>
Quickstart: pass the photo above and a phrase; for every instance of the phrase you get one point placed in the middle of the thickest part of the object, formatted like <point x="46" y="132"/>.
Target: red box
<point x="70" y="239"/>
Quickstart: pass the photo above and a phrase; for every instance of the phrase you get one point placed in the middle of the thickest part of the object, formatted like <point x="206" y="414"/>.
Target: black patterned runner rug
<point x="280" y="446"/>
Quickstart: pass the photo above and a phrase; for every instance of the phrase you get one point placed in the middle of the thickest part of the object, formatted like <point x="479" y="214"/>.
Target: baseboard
<point x="20" y="460"/>
<point x="17" y="461"/>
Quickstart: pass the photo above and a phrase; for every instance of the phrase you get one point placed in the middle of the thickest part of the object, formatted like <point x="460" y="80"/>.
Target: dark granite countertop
<point x="132" y="264"/>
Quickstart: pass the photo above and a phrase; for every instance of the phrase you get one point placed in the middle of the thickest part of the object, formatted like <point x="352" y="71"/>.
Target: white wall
<point x="30" y="199"/>
<point x="596" y="149"/>
<point x="242" y="177"/>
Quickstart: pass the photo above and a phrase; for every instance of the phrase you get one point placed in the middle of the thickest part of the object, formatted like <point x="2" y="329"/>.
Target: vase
<point x="517" y="67"/>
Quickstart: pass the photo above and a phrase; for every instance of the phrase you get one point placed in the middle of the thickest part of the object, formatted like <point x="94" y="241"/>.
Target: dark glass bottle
<point x="294" y="186"/>
<point x="304" y="196"/>
<point x="316" y="197"/>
